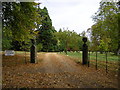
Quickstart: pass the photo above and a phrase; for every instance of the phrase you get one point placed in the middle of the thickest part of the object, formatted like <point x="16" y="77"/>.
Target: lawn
<point x="100" y="57"/>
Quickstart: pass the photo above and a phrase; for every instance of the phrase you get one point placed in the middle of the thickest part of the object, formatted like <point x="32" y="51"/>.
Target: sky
<point x="71" y="14"/>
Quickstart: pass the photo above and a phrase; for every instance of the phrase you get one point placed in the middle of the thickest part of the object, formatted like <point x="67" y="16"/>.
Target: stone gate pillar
<point x="84" y="51"/>
<point x="33" y="52"/>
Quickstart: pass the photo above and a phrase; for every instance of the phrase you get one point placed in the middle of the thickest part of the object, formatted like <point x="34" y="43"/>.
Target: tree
<point x="105" y="30"/>
<point x="68" y="41"/>
<point x="18" y="22"/>
<point x="45" y="32"/>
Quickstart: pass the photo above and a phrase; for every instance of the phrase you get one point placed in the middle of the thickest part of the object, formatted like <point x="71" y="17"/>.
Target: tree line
<point x="23" y="21"/>
<point x="48" y="39"/>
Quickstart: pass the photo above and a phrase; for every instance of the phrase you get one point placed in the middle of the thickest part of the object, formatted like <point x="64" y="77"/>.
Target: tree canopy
<point x="23" y="21"/>
<point x="68" y="40"/>
<point x="104" y="33"/>
<point x="45" y="30"/>
<point x="18" y="22"/>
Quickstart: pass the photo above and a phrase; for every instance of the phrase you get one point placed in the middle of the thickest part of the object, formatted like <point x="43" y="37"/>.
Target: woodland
<point x="23" y="21"/>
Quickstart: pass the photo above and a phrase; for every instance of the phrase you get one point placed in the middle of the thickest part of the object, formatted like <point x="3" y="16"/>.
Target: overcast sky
<point x="72" y="14"/>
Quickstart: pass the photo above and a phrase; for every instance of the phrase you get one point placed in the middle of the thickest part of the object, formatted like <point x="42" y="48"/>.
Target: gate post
<point x="85" y="52"/>
<point x="33" y="52"/>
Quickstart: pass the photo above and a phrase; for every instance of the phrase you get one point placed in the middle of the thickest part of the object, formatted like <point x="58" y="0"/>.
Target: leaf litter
<point x="63" y="73"/>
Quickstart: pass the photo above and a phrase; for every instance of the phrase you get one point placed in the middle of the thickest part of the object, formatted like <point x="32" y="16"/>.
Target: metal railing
<point x="105" y="60"/>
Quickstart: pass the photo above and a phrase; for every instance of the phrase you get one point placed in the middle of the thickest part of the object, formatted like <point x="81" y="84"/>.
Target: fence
<point x="105" y="60"/>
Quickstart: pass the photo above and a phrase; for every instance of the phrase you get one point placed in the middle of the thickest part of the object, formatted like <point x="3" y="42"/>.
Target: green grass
<point x="73" y="54"/>
<point x="100" y="57"/>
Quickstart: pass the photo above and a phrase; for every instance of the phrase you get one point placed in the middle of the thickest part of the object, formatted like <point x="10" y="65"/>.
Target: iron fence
<point x="106" y="60"/>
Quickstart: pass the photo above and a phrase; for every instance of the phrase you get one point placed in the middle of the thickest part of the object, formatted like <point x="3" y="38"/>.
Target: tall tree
<point x="105" y="30"/>
<point x="18" y="22"/>
<point x="46" y="30"/>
